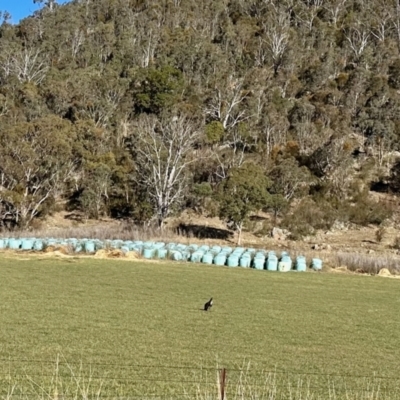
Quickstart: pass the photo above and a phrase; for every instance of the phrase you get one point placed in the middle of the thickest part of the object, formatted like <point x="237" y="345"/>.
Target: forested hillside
<point x="141" y="108"/>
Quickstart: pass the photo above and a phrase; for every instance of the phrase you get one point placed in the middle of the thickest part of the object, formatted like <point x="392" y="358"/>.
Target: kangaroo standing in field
<point x="208" y="305"/>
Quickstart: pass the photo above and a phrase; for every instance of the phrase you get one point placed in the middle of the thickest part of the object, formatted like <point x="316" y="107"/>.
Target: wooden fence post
<point x="222" y="383"/>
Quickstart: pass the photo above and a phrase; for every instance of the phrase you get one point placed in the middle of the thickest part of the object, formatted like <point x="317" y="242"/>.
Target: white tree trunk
<point x="164" y="150"/>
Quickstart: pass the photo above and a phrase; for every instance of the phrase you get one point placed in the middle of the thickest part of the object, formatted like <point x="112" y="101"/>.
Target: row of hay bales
<point x="218" y="255"/>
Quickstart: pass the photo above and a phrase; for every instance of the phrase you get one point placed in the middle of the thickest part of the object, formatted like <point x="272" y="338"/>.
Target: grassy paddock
<point x="131" y="329"/>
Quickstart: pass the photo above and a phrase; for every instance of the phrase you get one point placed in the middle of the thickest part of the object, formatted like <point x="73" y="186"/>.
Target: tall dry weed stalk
<point x="248" y="384"/>
<point x="367" y="263"/>
<point x="244" y="383"/>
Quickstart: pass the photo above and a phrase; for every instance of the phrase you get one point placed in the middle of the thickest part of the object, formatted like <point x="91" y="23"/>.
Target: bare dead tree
<point x="149" y="48"/>
<point x="358" y="39"/>
<point x="4" y="106"/>
<point x="278" y="43"/>
<point x="229" y="156"/>
<point x="396" y="20"/>
<point x="164" y="149"/>
<point x="48" y="4"/>
<point x="277" y="37"/>
<point x="103" y="103"/>
<point x="6" y="64"/>
<point x="76" y="41"/>
<point x="381" y="20"/>
<point x="335" y="9"/>
<point x="273" y="135"/>
<point x="225" y="102"/>
<point x="310" y="12"/>
<point x="28" y="65"/>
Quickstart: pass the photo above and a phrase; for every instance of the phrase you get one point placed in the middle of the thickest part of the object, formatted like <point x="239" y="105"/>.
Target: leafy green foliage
<point x="290" y="180"/>
<point x="214" y="132"/>
<point x="278" y="204"/>
<point x="35" y="164"/>
<point x="200" y="193"/>
<point x="156" y="89"/>
<point x="307" y="217"/>
<point x="243" y="192"/>
<point x="319" y="81"/>
<point x="366" y="212"/>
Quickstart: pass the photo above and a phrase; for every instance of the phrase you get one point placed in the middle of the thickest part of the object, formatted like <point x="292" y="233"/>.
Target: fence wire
<point x="63" y="380"/>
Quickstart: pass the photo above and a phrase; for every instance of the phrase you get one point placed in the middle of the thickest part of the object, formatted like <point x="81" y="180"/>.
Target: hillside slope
<point x="139" y="109"/>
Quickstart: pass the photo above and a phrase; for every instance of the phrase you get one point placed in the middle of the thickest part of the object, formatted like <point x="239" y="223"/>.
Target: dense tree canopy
<point x="90" y="90"/>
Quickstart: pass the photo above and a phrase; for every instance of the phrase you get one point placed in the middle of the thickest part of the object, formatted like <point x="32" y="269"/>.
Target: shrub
<point x="307" y="217"/>
<point x="366" y="211"/>
<point x="321" y="212"/>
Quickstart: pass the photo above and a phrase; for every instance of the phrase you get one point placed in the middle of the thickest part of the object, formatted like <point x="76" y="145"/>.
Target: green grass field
<point x="137" y="329"/>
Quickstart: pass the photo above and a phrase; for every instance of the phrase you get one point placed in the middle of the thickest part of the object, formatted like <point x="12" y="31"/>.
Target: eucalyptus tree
<point x="163" y="149"/>
<point x="36" y="162"/>
<point x="244" y="191"/>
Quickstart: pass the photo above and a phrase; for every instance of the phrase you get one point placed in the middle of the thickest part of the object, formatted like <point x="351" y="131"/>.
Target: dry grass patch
<point x="369" y="264"/>
<point x="116" y="253"/>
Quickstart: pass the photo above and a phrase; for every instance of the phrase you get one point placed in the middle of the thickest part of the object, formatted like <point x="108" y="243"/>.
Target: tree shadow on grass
<point x="204" y="232"/>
